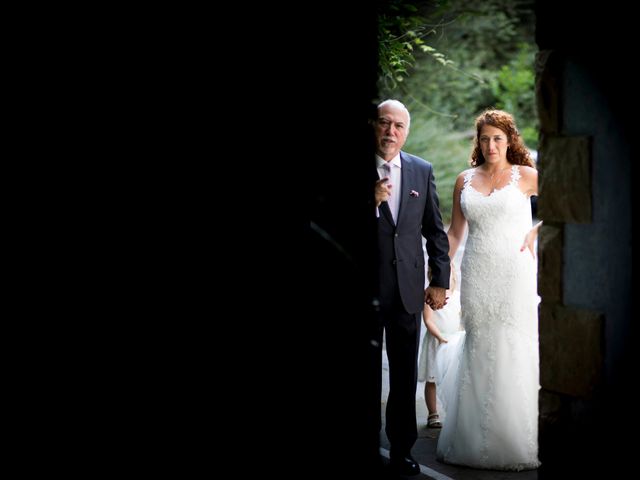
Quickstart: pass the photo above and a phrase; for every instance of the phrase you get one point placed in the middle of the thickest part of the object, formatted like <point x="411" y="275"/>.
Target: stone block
<point x="571" y="350"/>
<point x="565" y="179"/>
<point x="550" y="264"/>
<point x="548" y="81"/>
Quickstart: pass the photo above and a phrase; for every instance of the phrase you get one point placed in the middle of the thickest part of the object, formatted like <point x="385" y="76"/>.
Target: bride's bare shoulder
<point x="462" y="175"/>
<point x="527" y="172"/>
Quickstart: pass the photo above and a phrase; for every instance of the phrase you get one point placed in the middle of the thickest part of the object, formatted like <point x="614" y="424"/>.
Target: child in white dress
<point x="442" y="325"/>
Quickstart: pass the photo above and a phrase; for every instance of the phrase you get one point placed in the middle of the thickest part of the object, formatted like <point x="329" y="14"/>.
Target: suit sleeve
<point x="437" y="241"/>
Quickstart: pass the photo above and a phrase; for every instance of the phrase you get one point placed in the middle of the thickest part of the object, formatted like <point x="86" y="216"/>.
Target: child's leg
<point x="430" y="397"/>
<point x="433" y="419"/>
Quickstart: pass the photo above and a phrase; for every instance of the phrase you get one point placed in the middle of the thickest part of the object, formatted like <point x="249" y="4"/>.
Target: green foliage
<point x="478" y="40"/>
<point x="513" y="87"/>
<point x="401" y="33"/>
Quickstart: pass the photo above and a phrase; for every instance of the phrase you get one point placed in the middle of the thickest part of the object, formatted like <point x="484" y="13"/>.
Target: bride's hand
<point x="530" y="240"/>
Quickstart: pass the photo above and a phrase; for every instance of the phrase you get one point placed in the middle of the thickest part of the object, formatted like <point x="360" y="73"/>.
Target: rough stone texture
<point x="548" y="72"/>
<point x="550" y="264"/>
<point x="550" y="406"/>
<point x="571" y="353"/>
<point x="565" y="179"/>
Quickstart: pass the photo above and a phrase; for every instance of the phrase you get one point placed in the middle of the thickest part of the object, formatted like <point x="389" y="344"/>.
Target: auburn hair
<point x="517" y="153"/>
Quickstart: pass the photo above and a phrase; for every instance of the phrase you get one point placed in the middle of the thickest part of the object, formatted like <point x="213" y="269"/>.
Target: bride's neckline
<point x="494" y="188"/>
<point x="497" y="171"/>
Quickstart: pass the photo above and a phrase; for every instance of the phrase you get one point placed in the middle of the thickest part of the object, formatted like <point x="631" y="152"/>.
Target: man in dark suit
<point x="407" y="208"/>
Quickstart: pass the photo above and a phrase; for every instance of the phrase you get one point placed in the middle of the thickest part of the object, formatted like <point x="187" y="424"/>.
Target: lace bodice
<point x="503" y="215"/>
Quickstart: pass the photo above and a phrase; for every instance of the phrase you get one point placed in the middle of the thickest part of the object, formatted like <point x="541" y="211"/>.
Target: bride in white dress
<point x="492" y="406"/>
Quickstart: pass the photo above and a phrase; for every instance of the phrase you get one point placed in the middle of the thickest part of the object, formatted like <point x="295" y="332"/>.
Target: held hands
<point x="383" y="190"/>
<point x="435" y="297"/>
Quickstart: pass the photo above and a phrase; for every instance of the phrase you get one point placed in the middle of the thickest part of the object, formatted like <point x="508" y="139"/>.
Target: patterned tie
<point x="392" y="201"/>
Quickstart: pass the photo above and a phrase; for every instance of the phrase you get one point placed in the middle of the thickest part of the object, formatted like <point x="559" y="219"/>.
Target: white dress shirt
<point x="395" y="175"/>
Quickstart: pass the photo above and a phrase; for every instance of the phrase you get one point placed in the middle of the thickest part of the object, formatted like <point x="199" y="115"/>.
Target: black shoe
<point x="404" y="465"/>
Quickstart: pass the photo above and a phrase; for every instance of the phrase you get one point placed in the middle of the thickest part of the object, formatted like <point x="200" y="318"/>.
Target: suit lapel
<point x="407" y="174"/>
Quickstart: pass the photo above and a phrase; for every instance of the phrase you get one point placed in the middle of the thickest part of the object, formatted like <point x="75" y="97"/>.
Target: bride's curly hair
<point x="517" y="153"/>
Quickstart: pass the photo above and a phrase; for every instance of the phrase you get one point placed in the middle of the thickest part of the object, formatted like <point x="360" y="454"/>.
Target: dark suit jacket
<point x="400" y="246"/>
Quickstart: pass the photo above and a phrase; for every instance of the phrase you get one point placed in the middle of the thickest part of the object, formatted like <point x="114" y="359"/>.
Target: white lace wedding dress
<point x="492" y="405"/>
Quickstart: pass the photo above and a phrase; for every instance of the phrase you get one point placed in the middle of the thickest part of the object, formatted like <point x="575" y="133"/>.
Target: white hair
<point x="397" y="104"/>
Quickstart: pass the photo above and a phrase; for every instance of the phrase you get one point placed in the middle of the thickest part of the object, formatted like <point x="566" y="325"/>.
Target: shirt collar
<point x="394" y="161"/>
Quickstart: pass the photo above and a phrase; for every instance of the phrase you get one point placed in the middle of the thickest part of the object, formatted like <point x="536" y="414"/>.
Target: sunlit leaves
<point x="401" y="29"/>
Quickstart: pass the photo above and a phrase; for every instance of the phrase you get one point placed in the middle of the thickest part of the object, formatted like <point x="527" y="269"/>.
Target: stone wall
<point x="584" y="275"/>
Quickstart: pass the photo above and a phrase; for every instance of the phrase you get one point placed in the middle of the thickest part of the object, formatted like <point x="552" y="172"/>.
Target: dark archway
<point x="587" y="102"/>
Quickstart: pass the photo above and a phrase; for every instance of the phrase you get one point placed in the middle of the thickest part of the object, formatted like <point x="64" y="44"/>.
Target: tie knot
<point x="387" y="167"/>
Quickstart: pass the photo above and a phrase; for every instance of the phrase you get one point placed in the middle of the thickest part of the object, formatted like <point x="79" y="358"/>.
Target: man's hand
<point x="435" y="297"/>
<point x="383" y="190"/>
